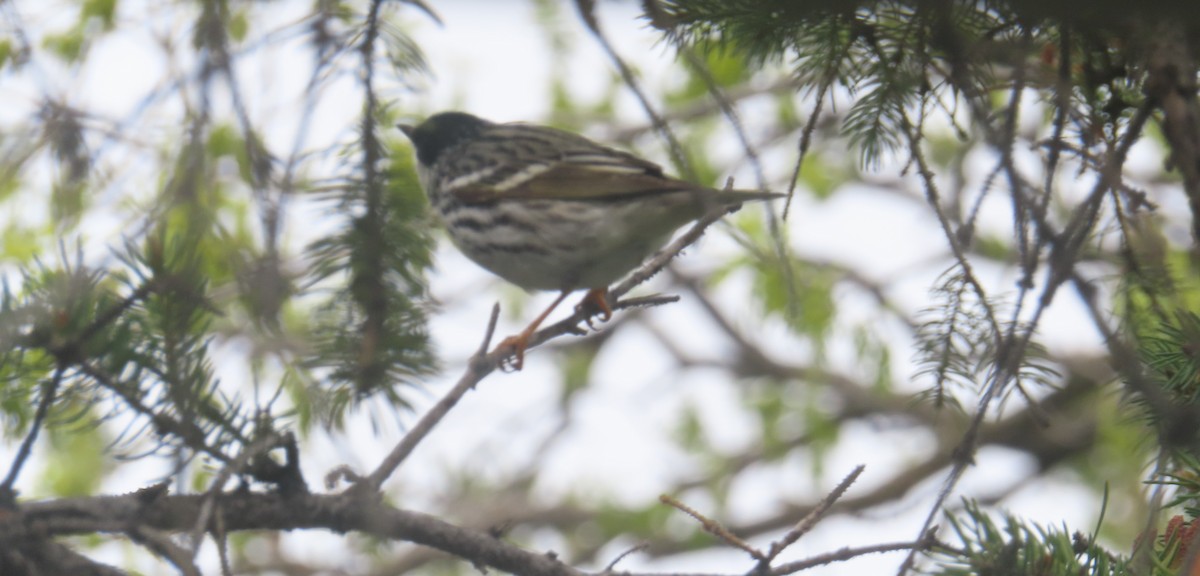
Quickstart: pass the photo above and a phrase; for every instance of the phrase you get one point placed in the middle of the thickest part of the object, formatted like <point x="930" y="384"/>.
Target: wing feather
<point x="569" y="181"/>
<point x="546" y="163"/>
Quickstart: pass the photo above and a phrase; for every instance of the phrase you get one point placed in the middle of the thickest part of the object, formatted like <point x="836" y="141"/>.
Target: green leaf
<point x="620" y="520"/>
<point x="76" y="463"/>
<point x="724" y="69"/>
<point x="576" y="369"/>
<point x="820" y="175"/>
<point x="67" y="202"/>
<point x="994" y="247"/>
<point x="103" y="10"/>
<point x="10" y="182"/>
<point x="812" y="310"/>
<point x="689" y="431"/>
<point x="239" y="25"/>
<point x="6" y="50"/>
<point x="769" y="405"/>
<point x="66" y="45"/>
<point x="224" y="140"/>
<point x="19" y="244"/>
<point x="22" y="373"/>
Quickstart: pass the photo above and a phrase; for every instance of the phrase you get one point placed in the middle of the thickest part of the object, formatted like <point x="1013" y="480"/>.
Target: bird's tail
<point x="735" y="198"/>
<point x="748" y="195"/>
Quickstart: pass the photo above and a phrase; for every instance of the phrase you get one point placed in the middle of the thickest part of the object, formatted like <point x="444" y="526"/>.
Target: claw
<point x="594" y="303"/>
<point x="520" y="342"/>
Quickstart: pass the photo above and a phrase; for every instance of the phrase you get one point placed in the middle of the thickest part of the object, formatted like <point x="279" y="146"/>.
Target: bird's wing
<point x="544" y="163"/>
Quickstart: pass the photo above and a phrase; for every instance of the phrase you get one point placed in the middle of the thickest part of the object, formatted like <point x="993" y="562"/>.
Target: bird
<point x="547" y="209"/>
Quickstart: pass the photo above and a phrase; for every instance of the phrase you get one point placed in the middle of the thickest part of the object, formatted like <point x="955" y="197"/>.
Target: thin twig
<point x="186" y="431"/>
<point x="222" y="541"/>
<point x="1062" y="260"/>
<point x="705" y="108"/>
<point x="236" y="466"/>
<point x="778" y="243"/>
<point x="161" y="544"/>
<point x="480" y="365"/>
<point x="49" y="391"/>
<point x="490" y="332"/>
<point x="727" y="109"/>
<point x="647" y="270"/>
<point x="809" y="521"/>
<point x="805" y="141"/>
<point x="587" y="11"/>
<point x="845" y="554"/>
<point x="659" y="261"/>
<point x="612" y="565"/>
<point x="110" y="315"/>
<point x="713" y="527"/>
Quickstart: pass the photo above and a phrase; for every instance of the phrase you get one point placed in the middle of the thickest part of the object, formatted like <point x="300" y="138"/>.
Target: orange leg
<point x="521" y="341"/>
<point x="595" y="302"/>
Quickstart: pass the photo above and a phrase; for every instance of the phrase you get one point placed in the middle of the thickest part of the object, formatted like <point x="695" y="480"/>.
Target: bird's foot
<point x="515" y="360"/>
<point x="594" y="303"/>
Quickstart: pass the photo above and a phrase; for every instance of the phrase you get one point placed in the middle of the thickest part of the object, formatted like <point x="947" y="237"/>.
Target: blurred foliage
<point x="931" y="82"/>
<point x="370" y="331"/>
<point x="1011" y="547"/>
<point x="896" y="57"/>
<point x="124" y="331"/>
<point x="77" y="463"/>
<point x="203" y="326"/>
<point x="1173" y="355"/>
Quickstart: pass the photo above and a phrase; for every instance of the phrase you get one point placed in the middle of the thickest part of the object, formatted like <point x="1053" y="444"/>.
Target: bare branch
<point x="587" y="11"/>
<point x="713" y="527"/>
<point x="259" y="446"/>
<point x="1171" y="86"/>
<point x="612" y="565"/>
<point x="843" y="554"/>
<point x="810" y="520"/>
<point x="49" y="390"/>
<point x="161" y="544"/>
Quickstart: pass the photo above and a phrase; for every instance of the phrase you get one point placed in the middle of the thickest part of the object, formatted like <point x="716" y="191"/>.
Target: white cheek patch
<point x="526" y="174"/>
<point x="468" y="179"/>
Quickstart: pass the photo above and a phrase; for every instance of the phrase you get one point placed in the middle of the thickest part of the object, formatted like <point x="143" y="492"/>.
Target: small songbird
<point x="551" y="210"/>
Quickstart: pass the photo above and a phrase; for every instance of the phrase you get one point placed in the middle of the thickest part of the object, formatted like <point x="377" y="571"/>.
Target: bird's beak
<point x="407" y="129"/>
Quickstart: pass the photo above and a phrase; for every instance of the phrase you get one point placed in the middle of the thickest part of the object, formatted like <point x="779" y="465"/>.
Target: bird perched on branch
<point x="551" y="210"/>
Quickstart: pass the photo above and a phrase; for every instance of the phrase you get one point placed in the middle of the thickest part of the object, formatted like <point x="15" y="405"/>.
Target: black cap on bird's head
<point x="441" y="132"/>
